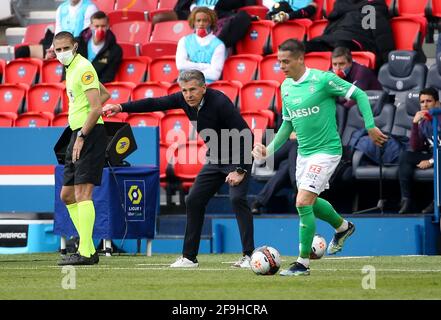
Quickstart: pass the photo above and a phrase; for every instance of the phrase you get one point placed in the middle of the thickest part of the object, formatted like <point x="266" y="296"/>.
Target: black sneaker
<point x="339" y="238"/>
<point x="76" y="260"/>
<point x="95" y="257"/>
<point x="429" y="209"/>
<point x="296" y="269"/>
<point x="256" y="207"/>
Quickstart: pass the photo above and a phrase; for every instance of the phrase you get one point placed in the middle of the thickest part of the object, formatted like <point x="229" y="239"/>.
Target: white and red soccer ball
<point x="265" y="261"/>
<point x="318" y="247"/>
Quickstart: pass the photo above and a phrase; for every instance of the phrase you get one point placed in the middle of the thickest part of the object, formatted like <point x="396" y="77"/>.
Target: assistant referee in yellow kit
<point x="85" y="154"/>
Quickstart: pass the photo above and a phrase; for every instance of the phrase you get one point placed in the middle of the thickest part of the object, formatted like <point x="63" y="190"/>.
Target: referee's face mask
<point x="65" y="51"/>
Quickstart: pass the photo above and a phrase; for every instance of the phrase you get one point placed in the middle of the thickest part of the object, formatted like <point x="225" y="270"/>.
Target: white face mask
<point x="65" y="57"/>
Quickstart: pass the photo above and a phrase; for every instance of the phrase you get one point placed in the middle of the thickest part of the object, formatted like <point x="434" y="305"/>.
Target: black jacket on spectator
<point x="217" y="113"/>
<point x="107" y="61"/>
<point x="345" y="29"/>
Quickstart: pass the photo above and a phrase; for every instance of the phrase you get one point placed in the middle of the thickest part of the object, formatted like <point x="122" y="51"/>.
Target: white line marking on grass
<point x="346" y="258"/>
<point x="382" y="270"/>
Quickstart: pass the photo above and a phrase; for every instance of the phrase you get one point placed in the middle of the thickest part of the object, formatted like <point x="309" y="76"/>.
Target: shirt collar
<point x="302" y="78"/>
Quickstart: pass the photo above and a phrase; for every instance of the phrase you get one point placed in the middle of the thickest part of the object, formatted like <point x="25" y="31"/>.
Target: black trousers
<point x="207" y="183"/>
<point x="285" y="162"/>
<point x="407" y="165"/>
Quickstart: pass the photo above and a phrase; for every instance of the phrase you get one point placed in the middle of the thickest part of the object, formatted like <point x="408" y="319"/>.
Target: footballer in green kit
<point x="309" y="108"/>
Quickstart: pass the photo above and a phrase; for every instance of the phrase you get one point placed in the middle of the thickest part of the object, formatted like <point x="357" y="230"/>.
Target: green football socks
<point x="306" y="230"/>
<point x="325" y="211"/>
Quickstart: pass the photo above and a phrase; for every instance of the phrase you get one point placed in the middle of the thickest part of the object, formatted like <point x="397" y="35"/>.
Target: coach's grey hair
<point x="189" y="75"/>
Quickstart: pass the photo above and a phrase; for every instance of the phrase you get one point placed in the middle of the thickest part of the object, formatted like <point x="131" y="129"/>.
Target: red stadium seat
<point x="318" y="60"/>
<point x="167" y="4"/>
<point x="174" y="88"/>
<point x="7" y="119"/>
<point x="176" y="128"/>
<point x="170" y="31"/>
<point x="129" y="49"/>
<point x="45" y="97"/>
<point x="241" y="67"/>
<point x="136" y="5"/>
<point x="12" y="97"/>
<point x="33" y="120"/>
<point x="133" y="69"/>
<point x="256" y="38"/>
<point x="105" y="5"/>
<point x="23" y="70"/>
<point x="270" y="69"/>
<point x="166" y="158"/>
<point x="365" y="58"/>
<point x="125" y="16"/>
<point x="132" y="31"/>
<point x="2" y="69"/>
<point x="407" y="33"/>
<point x="190" y="158"/>
<point x="156" y="49"/>
<point x="259" y="11"/>
<point x="60" y="120"/>
<point x="260" y="95"/>
<point x="411" y="8"/>
<point x="329" y="6"/>
<point x="163" y="69"/>
<point x="52" y="71"/>
<point x="319" y="12"/>
<point x="35" y="32"/>
<point x="317" y="28"/>
<point x="150" y="119"/>
<point x="435" y="8"/>
<point x="151" y="89"/>
<point x="258" y="122"/>
<point x="120" y="92"/>
<point x="230" y="88"/>
<point x="287" y="30"/>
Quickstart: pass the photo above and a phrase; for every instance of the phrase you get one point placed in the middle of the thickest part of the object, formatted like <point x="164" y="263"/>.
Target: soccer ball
<point x="318" y="247"/>
<point x="265" y="261"/>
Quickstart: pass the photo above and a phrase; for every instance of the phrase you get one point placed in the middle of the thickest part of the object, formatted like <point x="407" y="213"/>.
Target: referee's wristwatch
<point x="80" y="134"/>
<point x="241" y="170"/>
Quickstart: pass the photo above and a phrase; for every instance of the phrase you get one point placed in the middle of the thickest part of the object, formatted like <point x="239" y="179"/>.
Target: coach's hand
<point x="378" y="137"/>
<point x="234" y="178"/>
<point x="110" y="110"/>
<point x="259" y="151"/>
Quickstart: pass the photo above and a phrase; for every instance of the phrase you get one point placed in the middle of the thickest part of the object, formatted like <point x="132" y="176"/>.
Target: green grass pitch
<point x="37" y="276"/>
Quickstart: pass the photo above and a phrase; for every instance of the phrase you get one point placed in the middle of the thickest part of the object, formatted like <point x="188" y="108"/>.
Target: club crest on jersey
<point x="311" y="89"/>
<point x="71" y="96"/>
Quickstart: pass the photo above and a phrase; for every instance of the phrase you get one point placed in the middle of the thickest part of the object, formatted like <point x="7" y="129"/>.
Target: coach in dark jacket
<point x="98" y="44"/>
<point x="350" y="26"/>
<point x="229" y="141"/>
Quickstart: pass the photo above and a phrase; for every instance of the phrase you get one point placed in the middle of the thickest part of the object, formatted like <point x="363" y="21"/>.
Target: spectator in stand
<point x="351" y="27"/>
<point x="232" y="24"/>
<point x="421" y="153"/>
<point x="202" y="50"/>
<point x="281" y="11"/>
<point x="98" y="44"/>
<point x="353" y="72"/>
<point x="72" y="16"/>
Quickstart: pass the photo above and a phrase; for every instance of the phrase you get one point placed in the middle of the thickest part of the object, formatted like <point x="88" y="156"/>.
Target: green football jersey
<point x="309" y="104"/>
<point x="80" y="77"/>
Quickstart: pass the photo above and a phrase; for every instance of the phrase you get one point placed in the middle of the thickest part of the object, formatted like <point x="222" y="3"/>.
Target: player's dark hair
<point x="430" y="92"/>
<point x="296" y="47"/>
<point x="99" y="15"/>
<point x="64" y="35"/>
<point x="342" y="52"/>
